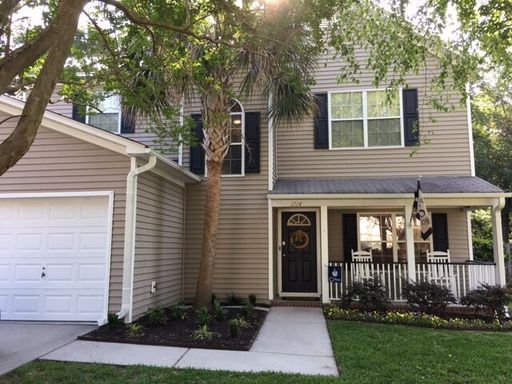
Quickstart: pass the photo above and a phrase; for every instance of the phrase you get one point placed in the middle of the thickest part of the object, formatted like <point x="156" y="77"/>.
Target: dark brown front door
<point x="299" y="266"/>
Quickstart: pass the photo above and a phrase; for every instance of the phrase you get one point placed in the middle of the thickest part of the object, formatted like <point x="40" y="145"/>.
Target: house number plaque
<point x="296" y="204"/>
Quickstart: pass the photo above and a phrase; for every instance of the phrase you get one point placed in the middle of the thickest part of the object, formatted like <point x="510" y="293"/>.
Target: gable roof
<point x="99" y="137"/>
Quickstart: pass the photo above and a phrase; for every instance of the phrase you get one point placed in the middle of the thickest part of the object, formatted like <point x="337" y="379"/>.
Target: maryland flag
<point x="420" y="211"/>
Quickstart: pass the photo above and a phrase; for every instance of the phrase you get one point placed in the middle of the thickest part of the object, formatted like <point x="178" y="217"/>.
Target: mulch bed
<point x="178" y="333"/>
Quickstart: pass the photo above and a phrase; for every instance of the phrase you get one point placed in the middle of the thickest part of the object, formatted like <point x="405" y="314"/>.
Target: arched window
<point x="234" y="161"/>
<point x="298" y="220"/>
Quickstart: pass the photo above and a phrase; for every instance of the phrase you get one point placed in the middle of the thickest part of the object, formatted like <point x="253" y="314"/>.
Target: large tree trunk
<point x="211" y="226"/>
<point x="19" y="141"/>
<point x="216" y="144"/>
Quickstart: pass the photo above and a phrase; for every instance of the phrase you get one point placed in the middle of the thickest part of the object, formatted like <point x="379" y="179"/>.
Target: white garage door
<point x="53" y="258"/>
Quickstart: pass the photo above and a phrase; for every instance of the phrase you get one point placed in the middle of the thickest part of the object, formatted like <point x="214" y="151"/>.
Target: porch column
<point x="409" y="239"/>
<point x="324" y="255"/>
<point x="497" y="237"/>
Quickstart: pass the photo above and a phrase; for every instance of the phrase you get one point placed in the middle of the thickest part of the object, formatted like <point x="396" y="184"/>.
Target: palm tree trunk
<point x="211" y="227"/>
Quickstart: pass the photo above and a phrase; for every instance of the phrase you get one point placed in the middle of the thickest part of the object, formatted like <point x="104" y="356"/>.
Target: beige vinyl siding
<point x="445" y="138"/>
<point x="242" y="252"/>
<point x="60" y="163"/>
<point x="158" y="243"/>
<point x="457" y="233"/>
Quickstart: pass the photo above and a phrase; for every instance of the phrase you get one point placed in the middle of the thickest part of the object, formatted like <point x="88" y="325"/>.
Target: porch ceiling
<point x="385" y="185"/>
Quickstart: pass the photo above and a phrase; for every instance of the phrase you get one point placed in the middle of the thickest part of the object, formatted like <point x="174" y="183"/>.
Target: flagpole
<point x="418" y="186"/>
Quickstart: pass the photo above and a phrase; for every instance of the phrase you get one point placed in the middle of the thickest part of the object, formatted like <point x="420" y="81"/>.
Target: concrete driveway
<point x="21" y="342"/>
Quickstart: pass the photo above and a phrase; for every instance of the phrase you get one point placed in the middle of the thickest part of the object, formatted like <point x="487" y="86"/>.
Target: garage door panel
<point x="67" y="238"/>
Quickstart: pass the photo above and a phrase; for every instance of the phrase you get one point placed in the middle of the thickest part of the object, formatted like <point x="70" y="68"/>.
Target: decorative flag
<point x="420" y="210"/>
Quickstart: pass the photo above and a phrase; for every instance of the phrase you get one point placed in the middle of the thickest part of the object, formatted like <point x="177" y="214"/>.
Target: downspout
<point x="129" y="236"/>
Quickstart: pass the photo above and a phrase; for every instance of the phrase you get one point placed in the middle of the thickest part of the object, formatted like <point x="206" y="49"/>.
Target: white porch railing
<point x="459" y="277"/>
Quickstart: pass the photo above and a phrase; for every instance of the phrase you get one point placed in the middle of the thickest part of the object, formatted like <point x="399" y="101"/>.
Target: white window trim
<point x="120" y="113"/>
<point x="395" y="238"/>
<point x="242" y="144"/>
<point x="365" y="119"/>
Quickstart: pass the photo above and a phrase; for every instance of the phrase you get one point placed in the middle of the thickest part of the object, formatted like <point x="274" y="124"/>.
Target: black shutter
<point x="197" y="152"/>
<point x="321" y="122"/>
<point x="411" y="119"/>
<point x="440" y="231"/>
<point x="349" y="235"/>
<point x="76" y="114"/>
<point x="127" y="124"/>
<point x="252" y="142"/>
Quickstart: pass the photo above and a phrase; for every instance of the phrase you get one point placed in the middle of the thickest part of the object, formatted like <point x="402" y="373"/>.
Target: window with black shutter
<point x="197" y="155"/>
<point x="410" y="117"/>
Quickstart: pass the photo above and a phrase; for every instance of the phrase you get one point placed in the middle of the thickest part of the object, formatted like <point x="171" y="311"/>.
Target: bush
<point x="113" y="321"/>
<point x="371" y="294"/>
<point x="235" y="325"/>
<point x="134" y="329"/>
<point x="220" y="312"/>
<point x="156" y="317"/>
<point x="252" y="299"/>
<point x="178" y="312"/>
<point x="427" y="297"/>
<point x="247" y="310"/>
<point x="233" y="299"/>
<point x="483" y="249"/>
<point x="204" y="316"/>
<point x="203" y="333"/>
<point x="492" y="299"/>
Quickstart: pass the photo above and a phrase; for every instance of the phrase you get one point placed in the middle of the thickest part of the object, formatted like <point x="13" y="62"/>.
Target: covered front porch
<point x="316" y="225"/>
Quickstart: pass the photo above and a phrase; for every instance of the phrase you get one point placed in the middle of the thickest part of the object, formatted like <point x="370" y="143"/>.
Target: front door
<point x="299" y="266"/>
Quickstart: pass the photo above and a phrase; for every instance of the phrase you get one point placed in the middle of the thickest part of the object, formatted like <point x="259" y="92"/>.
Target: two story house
<point x="94" y="219"/>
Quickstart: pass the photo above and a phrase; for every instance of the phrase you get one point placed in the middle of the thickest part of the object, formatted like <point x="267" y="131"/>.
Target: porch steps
<point x="315" y="303"/>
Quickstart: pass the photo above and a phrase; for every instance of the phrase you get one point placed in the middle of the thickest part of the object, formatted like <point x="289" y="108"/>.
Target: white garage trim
<point x="110" y="216"/>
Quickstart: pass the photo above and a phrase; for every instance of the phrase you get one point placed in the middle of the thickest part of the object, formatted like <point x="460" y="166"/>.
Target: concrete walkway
<point x="292" y="340"/>
<point x="21" y="342"/>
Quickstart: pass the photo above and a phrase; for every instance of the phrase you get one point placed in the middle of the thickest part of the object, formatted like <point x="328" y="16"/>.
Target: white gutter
<point x="129" y="236"/>
<point x="324" y="196"/>
<point x="470" y="132"/>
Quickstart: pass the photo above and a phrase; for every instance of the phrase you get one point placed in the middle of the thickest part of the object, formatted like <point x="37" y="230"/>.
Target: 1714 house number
<point x="296" y="204"/>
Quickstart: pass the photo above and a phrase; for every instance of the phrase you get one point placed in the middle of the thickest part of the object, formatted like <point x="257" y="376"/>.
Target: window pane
<point x="346" y="105"/>
<point x="233" y="162"/>
<point x="420" y="251"/>
<point x="375" y="228"/>
<point x="236" y="128"/>
<point x="400" y="227"/>
<point x="380" y="104"/>
<point x="107" y="121"/>
<point x="384" y="132"/>
<point x="347" y="134"/>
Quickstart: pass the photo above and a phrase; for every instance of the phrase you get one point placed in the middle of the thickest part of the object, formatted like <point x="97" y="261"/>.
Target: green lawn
<point x="366" y="353"/>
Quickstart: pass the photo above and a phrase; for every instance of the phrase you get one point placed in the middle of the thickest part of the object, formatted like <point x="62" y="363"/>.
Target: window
<point x="384" y="234"/>
<point x="107" y="116"/>
<point x="234" y="160"/>
<point x="360" y="119"/>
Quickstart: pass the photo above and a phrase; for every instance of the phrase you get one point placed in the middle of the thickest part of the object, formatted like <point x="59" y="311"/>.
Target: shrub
<point x="178" y="312"/>
<point x="235" y="325"/>
<point x="247" y="310"/>
<point x="156" y="317"/>
<point x="233" y="299"/>
<point x="204" y="316"/>
<point x="252" y="299"/>
<point x="220" y="312"/>
<point x="371" y="294"/>
<point x="134" y="329"/>
<point x="492" y="299"/>
<point x="203" y="333"/>
<point x="427" y="297"/>
<point x="113" y="321"/>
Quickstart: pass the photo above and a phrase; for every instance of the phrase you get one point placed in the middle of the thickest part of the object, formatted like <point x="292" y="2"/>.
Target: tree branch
<point x="24" y="56"/>
<point x="19" y="141"/>
<point x="142" y="21"/>
<point x="9" y="118"/>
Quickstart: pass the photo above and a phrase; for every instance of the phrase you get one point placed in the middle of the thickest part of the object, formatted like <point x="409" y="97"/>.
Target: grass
<point x="366" y="353"/>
